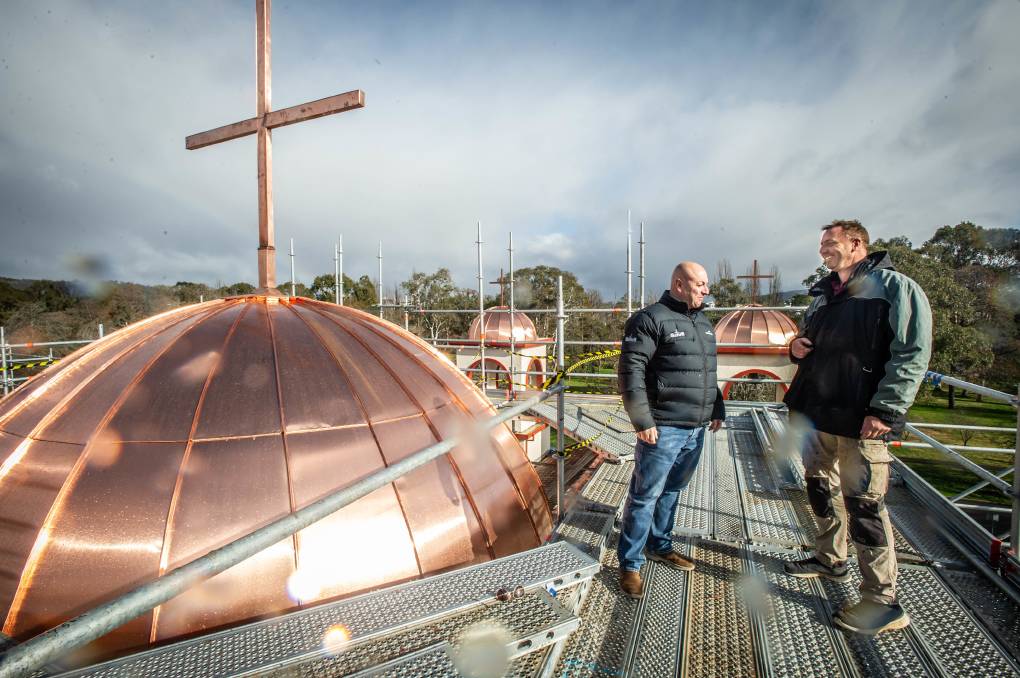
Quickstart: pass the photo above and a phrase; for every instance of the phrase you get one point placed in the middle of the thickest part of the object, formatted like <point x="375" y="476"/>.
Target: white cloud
<point x="732" y="133"/>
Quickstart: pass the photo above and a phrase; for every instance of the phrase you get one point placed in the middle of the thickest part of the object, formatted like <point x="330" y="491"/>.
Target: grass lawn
<point x="932" y="406"/>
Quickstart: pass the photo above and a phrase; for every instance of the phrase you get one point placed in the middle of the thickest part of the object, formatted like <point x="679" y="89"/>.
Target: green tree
<point x="433" y="291"/>
<point x="237" y="289"/>
<point x="818" y="274"/>
<point x="959" y="347"/>
<point x="727" y="292"/>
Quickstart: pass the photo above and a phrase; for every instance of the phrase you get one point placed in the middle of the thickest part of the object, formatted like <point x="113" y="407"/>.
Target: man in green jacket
<point x="862" y="354"/>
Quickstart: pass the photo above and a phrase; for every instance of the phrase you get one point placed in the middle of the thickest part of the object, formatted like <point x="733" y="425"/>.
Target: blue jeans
<point x="661" y="471"/>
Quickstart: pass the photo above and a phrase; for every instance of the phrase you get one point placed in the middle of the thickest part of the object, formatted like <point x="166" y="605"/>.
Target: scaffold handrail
<point x="23" y="659"/>
<point x="937" y="379"/>
<point x="961" y="460"/>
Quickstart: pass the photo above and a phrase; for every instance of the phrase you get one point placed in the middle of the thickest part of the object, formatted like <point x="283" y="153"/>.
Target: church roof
<point x="178" y="434"/>
<point x="500" y="325"/>
<point x="771" y="330"/>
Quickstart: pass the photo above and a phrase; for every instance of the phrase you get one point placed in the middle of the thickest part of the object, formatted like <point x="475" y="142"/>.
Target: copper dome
<point x="184" y="431"/>
<point x="500" y="325"/>
<point x="749" y="325"/>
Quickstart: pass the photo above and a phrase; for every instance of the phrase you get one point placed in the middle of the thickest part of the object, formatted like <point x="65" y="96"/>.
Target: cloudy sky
<point x="732" y="131"/>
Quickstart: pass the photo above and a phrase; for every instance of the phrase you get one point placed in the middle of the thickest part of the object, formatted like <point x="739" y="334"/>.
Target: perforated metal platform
<point x="381" y="626"/>
<point x="739" y="614"/>
<point x="594" y="419"/>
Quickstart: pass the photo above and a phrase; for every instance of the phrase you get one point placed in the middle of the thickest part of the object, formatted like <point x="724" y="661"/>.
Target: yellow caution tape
<point x="26" y="366"/>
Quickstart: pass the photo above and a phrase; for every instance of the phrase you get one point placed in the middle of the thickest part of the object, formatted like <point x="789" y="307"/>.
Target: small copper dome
<point x="500" y="325"/>
<point x="750" y="325"/>
<point x="180" y="433"/>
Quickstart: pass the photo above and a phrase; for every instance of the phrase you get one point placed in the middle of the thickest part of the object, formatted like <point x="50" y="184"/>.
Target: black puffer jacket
<point x="667" y="372"/>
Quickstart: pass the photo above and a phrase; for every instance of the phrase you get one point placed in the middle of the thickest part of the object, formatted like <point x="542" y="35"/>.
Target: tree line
<point x="970" y="274"/>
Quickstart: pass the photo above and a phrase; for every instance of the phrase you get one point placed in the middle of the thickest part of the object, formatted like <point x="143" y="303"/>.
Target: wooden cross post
<point x="262" y="124"/>
<point x="754" y="277"/>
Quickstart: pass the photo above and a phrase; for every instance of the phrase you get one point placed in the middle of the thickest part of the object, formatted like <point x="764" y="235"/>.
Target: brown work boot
<point x="630" y="582"/>
<point x="673" y="559"/>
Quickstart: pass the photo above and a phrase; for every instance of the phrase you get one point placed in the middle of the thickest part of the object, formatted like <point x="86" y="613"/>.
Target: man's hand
<point x="873" y="428"/>
<point x="649" y="436"/>
<point x="800" y="347"/>
<point x="715" y="425"/>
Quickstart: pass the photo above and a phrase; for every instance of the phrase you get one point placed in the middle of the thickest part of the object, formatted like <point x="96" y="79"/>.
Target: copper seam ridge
<point x="435" y="432"/>
<point x="77" y="356"/>
<point x="246" y="436"/>
<point x="164" y="553"/>
<point x="374" y="322"/>
<point x="371" y="429"/>
<point x="376" y="328"/>
<point x="54" y="411"/>
<point x="295" y="539"/>
<point x="28" y="571"/>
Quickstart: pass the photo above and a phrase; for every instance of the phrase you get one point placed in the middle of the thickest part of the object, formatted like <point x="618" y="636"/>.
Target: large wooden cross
<point x="754" y="277"/>
<point x="262" y="124"/>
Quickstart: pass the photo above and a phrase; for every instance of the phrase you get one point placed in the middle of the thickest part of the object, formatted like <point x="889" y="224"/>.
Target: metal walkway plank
<point x="299" y="634"/>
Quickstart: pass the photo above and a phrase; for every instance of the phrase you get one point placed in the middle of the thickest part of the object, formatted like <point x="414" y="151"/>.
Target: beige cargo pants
<point x="859" y="471"/>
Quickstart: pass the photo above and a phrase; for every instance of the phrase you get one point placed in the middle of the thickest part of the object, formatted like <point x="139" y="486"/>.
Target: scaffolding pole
<point x="380" y="280"/>
<point x="560" y="364"/>
<point x="1014" y="523"/>
<point x="514" y="358"/>
<point x="340" y="252"/>
<point x="3" y="358"/>
<point x="481" y="308"/>
<point x="641" y="267"/>
<point x="336" y="273"/>
<point x="293" y="291"/>
<point x="630" y="270"/>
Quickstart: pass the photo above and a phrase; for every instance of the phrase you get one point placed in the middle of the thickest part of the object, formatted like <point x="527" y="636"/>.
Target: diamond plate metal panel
<point x="696" y="503"/>
<point x="960" y="644"/>
<point x="914" y="526"/>
<point x="729" y="518"/>
<point x="801" y="639"/>
<point x="989" y="603"/>
<point x="768" y="513"/>
<point x="608" y="488"/>
<point x="718" y="639"/>
<point x="600" y="645"/>
<point x="887" y="654"/>
<point x="274" y="640"/>
<point x="587" y="530"/>
<point x="657" y="650"/>
<point x="521" y="617"/>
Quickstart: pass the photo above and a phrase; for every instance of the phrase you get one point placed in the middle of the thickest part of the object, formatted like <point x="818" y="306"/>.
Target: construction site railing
<point x="24" y="659"/>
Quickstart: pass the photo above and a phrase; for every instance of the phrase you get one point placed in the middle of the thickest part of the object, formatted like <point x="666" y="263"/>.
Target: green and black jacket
<point x="667" y="371"/>
<point x="872" y="343"/>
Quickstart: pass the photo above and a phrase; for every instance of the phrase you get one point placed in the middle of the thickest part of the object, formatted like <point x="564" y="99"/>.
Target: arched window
<point x="535" y="379"/>
<point x="496" y="375"/>
<point x="767" y="392"/>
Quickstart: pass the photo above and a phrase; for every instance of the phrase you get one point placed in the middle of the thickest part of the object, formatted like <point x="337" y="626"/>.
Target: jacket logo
<point x="676" y="335"/>
<point x="630" y="338"/>
<point x="708" y="331"/>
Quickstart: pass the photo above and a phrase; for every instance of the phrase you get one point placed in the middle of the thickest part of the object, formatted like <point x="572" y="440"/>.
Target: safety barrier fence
<point x="9" y="364"/>
<point x="51" y="645"/>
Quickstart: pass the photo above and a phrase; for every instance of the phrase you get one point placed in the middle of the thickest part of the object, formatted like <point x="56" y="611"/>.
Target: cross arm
<point x="281" y="118"/>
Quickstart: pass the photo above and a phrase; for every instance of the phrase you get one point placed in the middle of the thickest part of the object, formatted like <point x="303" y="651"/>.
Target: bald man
<point x="667" y="377"/>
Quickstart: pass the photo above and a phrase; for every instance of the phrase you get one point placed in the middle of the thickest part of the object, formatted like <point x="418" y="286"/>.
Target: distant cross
<point x="262" y="124"/>
<point x="502" y="281"/>
<point x="755" y="277"/>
